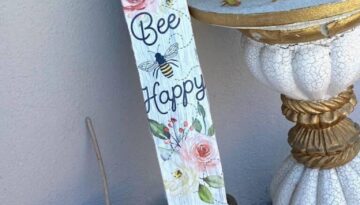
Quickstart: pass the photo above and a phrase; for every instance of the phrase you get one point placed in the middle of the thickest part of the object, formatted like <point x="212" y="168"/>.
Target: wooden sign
<point x="175" y="98"/>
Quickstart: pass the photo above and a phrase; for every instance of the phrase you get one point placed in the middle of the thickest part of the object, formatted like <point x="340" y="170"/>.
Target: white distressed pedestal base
<point x="296" y="184"/>
<point x="310" y="71"/>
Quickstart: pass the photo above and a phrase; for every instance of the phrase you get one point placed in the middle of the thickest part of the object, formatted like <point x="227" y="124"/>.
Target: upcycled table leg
<point x="176" y="102"/>
<point x="308" y="52"/>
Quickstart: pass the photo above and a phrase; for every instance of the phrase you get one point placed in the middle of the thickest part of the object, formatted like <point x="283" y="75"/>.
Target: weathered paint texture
<point x="307" y="71"/>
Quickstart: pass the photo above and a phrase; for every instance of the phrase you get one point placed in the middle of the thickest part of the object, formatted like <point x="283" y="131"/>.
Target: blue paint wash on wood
<point x="175" y="99"/>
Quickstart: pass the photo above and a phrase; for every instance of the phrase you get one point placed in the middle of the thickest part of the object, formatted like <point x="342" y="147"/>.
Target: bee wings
<point x="172" y="51"/>
<point x="148" y="66"/>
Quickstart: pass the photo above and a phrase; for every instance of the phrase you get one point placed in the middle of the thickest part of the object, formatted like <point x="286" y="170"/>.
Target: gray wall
<point x="63" y="60"/>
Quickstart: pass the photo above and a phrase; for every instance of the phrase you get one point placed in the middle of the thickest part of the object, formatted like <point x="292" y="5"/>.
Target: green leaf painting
<point x="201" y="109"/>
<point x="197" y="125"/>
<point x="205" y="194"/>
<point x="214" y="181"/>
<point x="158" y="130"/>
<point x="211" y="130"/>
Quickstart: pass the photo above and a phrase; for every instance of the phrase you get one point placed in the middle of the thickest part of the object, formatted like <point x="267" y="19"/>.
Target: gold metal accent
<point x="305" y="34"/>
<point x="276" y="18"/>
<point x="323" y="136"/>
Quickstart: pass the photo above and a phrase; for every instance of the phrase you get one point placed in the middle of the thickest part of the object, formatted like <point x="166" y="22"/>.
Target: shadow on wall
<point x="97" y="200"/>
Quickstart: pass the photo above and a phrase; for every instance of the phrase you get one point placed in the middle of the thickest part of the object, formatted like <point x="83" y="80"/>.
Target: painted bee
<point x="231" y="3"/>
<point x="162" y="62"/>
<point x="177" y="174"/>
<point x="169" y="2"/>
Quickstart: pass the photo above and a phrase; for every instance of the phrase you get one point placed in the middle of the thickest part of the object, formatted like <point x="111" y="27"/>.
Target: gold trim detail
<point x="323" y="136"/>
<point x="303" y="35"/>
<point x="275" y="18"/>
<point x="320" y="114"/>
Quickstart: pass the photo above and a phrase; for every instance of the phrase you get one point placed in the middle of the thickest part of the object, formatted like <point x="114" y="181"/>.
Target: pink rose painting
<point x="131" y="6"/>
<point x="200" y="151"/>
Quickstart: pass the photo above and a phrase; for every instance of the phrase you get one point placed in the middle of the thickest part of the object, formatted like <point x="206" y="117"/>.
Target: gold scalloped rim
<point x="275" y="18"/>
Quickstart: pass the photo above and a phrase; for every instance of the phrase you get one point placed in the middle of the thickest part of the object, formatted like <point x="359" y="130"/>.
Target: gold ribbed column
<point x="323" y="137"/>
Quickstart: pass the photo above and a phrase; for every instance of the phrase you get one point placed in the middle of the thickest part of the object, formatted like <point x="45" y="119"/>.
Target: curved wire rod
<point x="91" y="130"/>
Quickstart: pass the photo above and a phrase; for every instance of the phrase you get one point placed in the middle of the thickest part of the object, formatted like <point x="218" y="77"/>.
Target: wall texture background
<point x="61" y="61"/>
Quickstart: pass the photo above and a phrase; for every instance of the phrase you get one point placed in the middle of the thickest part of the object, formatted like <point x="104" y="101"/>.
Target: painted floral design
<point x="200" y="151"/>
<point x="182" y="181"/>
<point x="190" y="149"/>
<point x="138" y="5"/>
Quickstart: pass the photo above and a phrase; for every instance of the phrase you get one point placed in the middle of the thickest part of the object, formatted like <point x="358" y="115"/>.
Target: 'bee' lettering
<point x="142" y="27"/>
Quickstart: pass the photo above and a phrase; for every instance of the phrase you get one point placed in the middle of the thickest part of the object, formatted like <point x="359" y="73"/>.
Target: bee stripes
<point x="162" y="62"/>
<point x="167" y="70"/>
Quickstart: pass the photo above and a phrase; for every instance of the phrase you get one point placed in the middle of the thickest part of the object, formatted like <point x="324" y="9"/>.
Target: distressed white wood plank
<point x="175" y="99"/>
